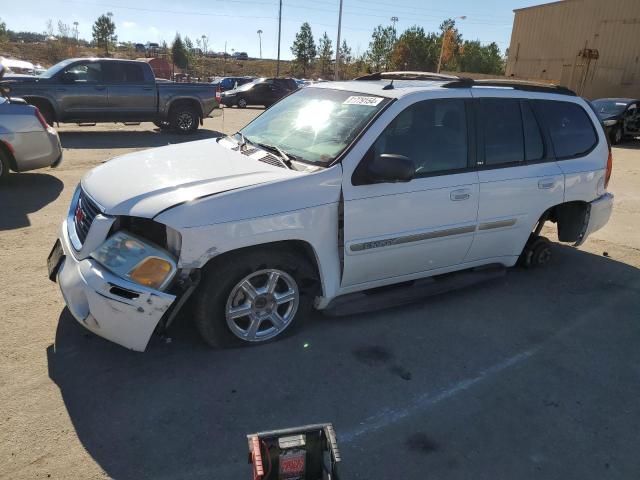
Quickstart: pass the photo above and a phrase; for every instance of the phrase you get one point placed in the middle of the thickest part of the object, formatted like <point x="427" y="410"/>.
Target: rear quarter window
<point x="570" y="129"/>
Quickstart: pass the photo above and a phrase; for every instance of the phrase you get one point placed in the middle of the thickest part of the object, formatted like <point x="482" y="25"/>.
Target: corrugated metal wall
<point x="547" y="41"/>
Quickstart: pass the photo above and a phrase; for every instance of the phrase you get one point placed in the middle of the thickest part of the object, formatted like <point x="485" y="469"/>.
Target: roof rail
<point x="514" y="84"/>
<point x="409" y="76"/>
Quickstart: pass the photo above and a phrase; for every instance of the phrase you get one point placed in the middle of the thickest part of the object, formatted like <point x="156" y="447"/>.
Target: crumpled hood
<point x="148" y="182"/>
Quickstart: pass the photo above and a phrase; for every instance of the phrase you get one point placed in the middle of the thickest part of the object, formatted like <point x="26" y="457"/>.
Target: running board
<point x="410" y="292"/>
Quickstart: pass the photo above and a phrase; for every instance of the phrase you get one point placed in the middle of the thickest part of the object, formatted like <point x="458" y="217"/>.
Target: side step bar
<point x="410" y="292"/>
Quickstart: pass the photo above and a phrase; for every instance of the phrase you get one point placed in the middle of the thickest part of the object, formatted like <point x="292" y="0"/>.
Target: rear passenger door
<point x="518" y="176"/>
<point x="131" y="91"/>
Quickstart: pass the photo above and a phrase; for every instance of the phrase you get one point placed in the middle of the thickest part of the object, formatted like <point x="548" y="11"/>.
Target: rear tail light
<point x="218" y="94"/>
<point x="607" y="175"/>
<point x="43" y="122"/>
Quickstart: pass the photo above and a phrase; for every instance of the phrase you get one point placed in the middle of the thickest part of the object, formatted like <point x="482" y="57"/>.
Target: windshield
<point x="51" y="71"/>
<point x="314" y="124"/>
<point x="609" y="107"/>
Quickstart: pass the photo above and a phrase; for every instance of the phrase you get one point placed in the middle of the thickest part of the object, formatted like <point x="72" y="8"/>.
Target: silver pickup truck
<point x="91" y="90"/>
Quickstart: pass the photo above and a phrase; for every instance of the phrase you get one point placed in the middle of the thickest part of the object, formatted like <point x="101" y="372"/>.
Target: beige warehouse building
<point x="590" y="46"/>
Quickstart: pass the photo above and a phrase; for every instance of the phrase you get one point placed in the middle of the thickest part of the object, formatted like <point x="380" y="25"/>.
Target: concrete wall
<point x="547" y="41"/>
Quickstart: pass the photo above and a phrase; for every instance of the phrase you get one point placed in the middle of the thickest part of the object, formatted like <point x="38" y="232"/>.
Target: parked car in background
<point x="620" y="117"/>
<point x="339" y="188"/>
<point x="240" y="56"/>
<point x="229" y="83"/>
<point x="263" y="91"/>
<point x="26" y="141"/>
<point x="110" y="90"/>
<point x="17" y="67"/>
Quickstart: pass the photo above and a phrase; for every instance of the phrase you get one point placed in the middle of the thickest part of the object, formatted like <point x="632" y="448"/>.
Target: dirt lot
<point x="534" y="376"/>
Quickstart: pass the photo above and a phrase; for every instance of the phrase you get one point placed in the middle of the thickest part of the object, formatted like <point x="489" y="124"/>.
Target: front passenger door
<point x="402" y="230"/>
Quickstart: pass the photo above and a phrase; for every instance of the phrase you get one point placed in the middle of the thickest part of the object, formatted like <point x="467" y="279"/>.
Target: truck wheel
<point x="617" y="135"/>
<point x="4" y="166"/>
<point x="184" y="118"/>
<point x="242" y="103"/>
<point x="254" y="298"/>
<point x="45" y="110"/>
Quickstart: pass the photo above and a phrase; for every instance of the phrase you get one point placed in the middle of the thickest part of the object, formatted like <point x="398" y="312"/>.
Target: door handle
<point x="458" y="195"/>
<point x="546" y="183"/>
<point x="147" y="88"/>
<point x="100" y="87"/>
<point x="61" y="89"/>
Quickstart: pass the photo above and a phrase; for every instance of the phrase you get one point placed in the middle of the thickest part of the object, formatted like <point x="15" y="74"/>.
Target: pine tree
<point x="304" y="47"/>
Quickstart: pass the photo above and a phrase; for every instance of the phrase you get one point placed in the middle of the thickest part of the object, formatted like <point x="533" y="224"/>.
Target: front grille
<point x="84" y="213"/>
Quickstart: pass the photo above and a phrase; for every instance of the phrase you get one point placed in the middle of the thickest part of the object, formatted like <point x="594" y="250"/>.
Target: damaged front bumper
<point x="116" y="309"/>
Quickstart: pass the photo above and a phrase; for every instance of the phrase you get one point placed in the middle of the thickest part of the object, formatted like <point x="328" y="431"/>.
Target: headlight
<point x="131" y="257"/>
<point x="609" y="123"/>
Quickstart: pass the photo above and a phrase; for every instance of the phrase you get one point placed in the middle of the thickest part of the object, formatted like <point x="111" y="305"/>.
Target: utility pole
<point x="279" y="32"/>
<point x="224" y="68"/>
<point x="260" y="40"/>
<point x="75" y="30"/>
<point x="337" y="69"/>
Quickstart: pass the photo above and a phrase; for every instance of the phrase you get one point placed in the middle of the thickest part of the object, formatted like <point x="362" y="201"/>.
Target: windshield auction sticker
<point x="356" y="100"/>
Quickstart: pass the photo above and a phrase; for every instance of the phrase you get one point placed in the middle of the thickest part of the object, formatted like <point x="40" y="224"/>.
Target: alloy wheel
<point x="262" y="305"/>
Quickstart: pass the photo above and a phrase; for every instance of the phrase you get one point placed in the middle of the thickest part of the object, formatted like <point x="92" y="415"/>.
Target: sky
<point x="236" y="22"/>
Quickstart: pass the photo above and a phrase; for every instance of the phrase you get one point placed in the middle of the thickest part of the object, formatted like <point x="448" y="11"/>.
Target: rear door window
<point x="570" y="128"/>
<point x="500" y="122"/>
<point x="133" y="73"/>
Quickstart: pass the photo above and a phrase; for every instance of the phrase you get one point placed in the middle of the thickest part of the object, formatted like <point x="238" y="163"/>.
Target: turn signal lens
<point x="151" y="272"/>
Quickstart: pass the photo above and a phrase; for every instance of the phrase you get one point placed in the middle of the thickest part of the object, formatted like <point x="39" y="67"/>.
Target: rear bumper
<point x="121" y="311"/>
<point x="38" y="150"/>
<point x="599" y="214"/>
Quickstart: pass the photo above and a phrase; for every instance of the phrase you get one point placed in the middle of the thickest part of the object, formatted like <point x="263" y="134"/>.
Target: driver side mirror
<point x="390" y="168"/>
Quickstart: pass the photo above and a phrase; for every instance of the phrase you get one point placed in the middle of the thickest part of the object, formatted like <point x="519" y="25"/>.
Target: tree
<point x="380" y="47"/>
<point x="452" y="41"/>
<point x="104" y="30"/>
<point x="345" y="53"/>
<point x="304" y="47"/>
<point x="4" y="34"/>
<point x="416" y="50"/>
<point x="64" y="31"/>
<point x="325" y="53"/>
<point x="478" y="59"/>
<point x="179" y="53"/>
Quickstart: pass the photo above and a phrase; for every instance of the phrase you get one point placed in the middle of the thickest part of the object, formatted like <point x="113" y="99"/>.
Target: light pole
<point x="205" y="44"/>
<point x="75" y="30"/>
<point x="394" y="20"/>
<point x="260" y="40"/>
<point x="337" y="69"/>
<point x="279" y="32"/>
<point x="444" y="38"/>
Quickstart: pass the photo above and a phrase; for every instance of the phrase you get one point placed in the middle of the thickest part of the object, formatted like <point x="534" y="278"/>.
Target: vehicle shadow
<point x="24" y="193"/>
<point x="181" y="410"/>
<point x="92" y="139"/>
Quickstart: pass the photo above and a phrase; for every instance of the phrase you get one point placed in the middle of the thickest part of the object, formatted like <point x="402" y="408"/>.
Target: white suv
<point x="338" y="188"/>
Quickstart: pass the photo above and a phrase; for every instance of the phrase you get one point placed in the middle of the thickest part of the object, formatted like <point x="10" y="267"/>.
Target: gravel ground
<point x="534" y="376"/>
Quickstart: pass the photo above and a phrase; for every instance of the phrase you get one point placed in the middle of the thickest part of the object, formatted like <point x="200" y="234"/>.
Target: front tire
<point x="4" y="166"/>
<point x="242" y="103"/>
<point x="184" y="119"/>
<point x="617" y="135"/>
<point x="254" y="298"/>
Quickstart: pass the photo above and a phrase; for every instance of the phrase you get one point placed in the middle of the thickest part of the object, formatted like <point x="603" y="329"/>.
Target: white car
<point x="339" y="188"/>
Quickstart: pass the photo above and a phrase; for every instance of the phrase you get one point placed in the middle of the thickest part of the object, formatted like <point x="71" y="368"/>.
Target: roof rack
<point x="409" y="76"/>
<point x="514" y="84"/>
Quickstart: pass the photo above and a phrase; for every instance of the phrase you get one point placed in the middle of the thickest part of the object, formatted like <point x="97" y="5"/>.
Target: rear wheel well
<point x="4" y="150"/>
<point x="299" y="247"/>
<point x="186" y="102"/>
<point x="571" y="219"/>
